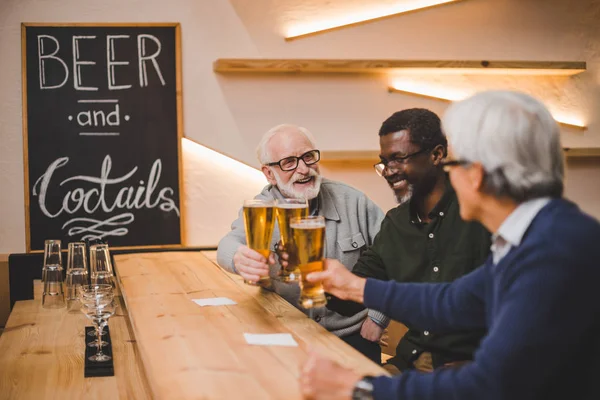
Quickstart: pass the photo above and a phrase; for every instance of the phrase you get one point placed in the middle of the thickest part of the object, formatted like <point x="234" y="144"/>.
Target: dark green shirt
<point x="442" y="250"/>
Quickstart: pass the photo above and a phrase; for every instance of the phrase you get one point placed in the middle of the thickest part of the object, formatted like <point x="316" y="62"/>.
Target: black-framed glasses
<point x="291" y="163"/>
<point x="447" y="164"/>
<point x="396" y="162"/>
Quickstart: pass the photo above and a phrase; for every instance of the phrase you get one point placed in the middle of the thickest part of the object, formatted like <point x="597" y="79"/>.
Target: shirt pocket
<point x="352" y="243"/>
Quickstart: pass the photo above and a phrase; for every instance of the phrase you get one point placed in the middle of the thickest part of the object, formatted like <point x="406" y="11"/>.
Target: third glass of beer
<point x="259" y="220"/>
<point x="287" y="209"/>
<point x="309" y="238"/>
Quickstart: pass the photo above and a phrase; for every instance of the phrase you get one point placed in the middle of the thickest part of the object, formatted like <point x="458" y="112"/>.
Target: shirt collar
<point x="326" y="205"/>
<point x="516" y="224"/>
<point x="440" y="208"/>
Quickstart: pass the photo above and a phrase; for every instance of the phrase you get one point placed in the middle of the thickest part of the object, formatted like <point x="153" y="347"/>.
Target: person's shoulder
<point x="399" y="210"/>
<point x="338" y="187"/>
<point x="342" y="190"/>
<point x="266" y="193"/>
<point x="563" y="227"/>
<point x="566" y="214"/>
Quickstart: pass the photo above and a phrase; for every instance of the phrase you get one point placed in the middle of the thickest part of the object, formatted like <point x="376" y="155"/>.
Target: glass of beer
<point x="259" y="221"/>
<point x="309" y="239"/>
<point x="286" y="209"/>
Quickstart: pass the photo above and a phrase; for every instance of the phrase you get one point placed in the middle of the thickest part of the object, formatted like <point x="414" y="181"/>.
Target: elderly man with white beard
<point x="289" y="160"/>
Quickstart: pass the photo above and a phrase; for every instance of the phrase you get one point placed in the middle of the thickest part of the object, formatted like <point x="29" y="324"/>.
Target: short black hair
<point x="424" y="127"/>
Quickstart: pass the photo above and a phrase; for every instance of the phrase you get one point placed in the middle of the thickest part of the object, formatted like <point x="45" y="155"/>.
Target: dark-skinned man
<point x="424" y="239"/>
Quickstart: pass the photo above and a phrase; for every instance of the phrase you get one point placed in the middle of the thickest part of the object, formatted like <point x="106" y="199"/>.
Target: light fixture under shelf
<point x="311" y="28"/>
<point x="379" y="66"/>
<point x="448" y="95"/>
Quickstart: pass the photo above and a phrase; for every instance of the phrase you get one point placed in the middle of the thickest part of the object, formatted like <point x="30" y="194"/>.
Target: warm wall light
<point x="221" y="161"/>
<point x="311" y="28"/>
<point x="445" y="94"/>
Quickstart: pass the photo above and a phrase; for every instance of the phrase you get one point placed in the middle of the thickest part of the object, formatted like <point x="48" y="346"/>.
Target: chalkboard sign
<point x="102" y="127"/>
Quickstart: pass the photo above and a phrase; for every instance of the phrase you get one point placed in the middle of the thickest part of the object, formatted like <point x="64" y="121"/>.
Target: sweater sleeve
<point x="439" y="307"/>
<point x="230" y="243"/>
<point x="370" y="264"/>
<point x="542" y="304"/>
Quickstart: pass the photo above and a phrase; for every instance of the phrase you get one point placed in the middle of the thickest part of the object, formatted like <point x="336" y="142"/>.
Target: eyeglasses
<point x="291" y="163"/>
<point x="448" y="164"/>
<point x="396" y="162"/>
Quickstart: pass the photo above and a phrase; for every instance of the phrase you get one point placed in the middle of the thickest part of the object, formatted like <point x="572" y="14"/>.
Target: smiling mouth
<point x="304" y="181"/>
<point x="401" y="184"/>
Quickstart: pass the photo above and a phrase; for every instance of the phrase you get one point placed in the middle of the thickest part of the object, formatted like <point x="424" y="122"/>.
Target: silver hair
<point x="262" y="150"/>
<point x="516" y="140"/>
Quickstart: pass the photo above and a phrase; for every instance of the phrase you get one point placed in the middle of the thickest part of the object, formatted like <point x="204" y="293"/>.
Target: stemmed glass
<point x="97" y="303"/>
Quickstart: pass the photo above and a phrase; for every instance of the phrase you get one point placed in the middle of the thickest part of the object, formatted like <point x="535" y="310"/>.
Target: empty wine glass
<point x="91" y="292"/>
<point x="105" y="313"/>
<point x="98" y="307"/>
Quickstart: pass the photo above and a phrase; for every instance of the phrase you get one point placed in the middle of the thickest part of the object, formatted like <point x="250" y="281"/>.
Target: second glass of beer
<point x="287" y="209"/>
<point x="309" y="238"/>
<point x="259" y="221"/>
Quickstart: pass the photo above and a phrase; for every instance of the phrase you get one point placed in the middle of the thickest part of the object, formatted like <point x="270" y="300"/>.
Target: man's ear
<point x="476" y="176"/>
<point x="438" y="154"/>
<point x="269" y="174"/>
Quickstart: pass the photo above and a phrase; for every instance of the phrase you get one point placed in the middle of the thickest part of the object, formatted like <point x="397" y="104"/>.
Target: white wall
<point x="230" y="112"/>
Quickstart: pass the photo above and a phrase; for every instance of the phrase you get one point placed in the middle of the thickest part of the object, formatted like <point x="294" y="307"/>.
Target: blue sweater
<point x="540" y="304"/>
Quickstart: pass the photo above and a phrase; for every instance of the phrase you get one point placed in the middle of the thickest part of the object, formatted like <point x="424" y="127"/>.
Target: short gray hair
<point x="262" y="150"/>
<point x="514" y="137"/>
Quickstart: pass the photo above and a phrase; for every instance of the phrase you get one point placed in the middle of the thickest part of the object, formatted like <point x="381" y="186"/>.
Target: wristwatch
<point x="363" y="390"/>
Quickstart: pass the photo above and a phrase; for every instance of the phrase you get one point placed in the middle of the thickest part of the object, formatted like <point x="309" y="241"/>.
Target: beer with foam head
<point x="287" y="209"/>
<point x="259" y="221"/>
<point x="309" y="238"/>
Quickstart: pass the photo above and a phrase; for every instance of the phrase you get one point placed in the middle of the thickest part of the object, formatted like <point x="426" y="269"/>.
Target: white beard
<point x="406" y="197"/>
<point x="288" y="189"/>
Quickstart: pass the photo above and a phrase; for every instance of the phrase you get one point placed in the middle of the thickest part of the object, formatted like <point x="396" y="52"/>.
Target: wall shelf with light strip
<point x="360" y="66"/>
<point x="372" y="156"/>
<point x="425" y="94"/>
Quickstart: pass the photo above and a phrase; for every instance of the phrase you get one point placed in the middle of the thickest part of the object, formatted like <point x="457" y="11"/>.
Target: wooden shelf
<point x="356" y="66"/>
<point x="582" y="152"/>
<point x="373" y="155"/>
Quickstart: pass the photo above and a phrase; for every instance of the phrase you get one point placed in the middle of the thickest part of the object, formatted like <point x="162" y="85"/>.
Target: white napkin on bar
<point x="270" y="339"/>
<point x="214" y="301"/>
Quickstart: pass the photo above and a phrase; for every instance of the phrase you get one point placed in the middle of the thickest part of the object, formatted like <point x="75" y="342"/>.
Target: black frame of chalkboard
<point x="179" y="104"/>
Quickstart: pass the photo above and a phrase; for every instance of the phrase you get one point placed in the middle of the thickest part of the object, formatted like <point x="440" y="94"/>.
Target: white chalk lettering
<point x="143" y="57"/>
<point x="43" y="58"/>
<point x="90" y="200"/>
<point x="111" y="63"/>
<point x="77" y="65"/>
<point x="95" y="226"/>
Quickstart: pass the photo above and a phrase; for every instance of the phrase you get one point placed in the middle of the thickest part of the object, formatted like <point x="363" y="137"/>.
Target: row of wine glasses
<point x="101" y="271"/>
<point x="98" y="304"/>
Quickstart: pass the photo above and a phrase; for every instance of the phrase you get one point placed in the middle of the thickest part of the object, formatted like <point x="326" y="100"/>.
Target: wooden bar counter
<point x="164" y="345"/>
<point x="41" y="356"/>
<point x="190" y="351"/>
